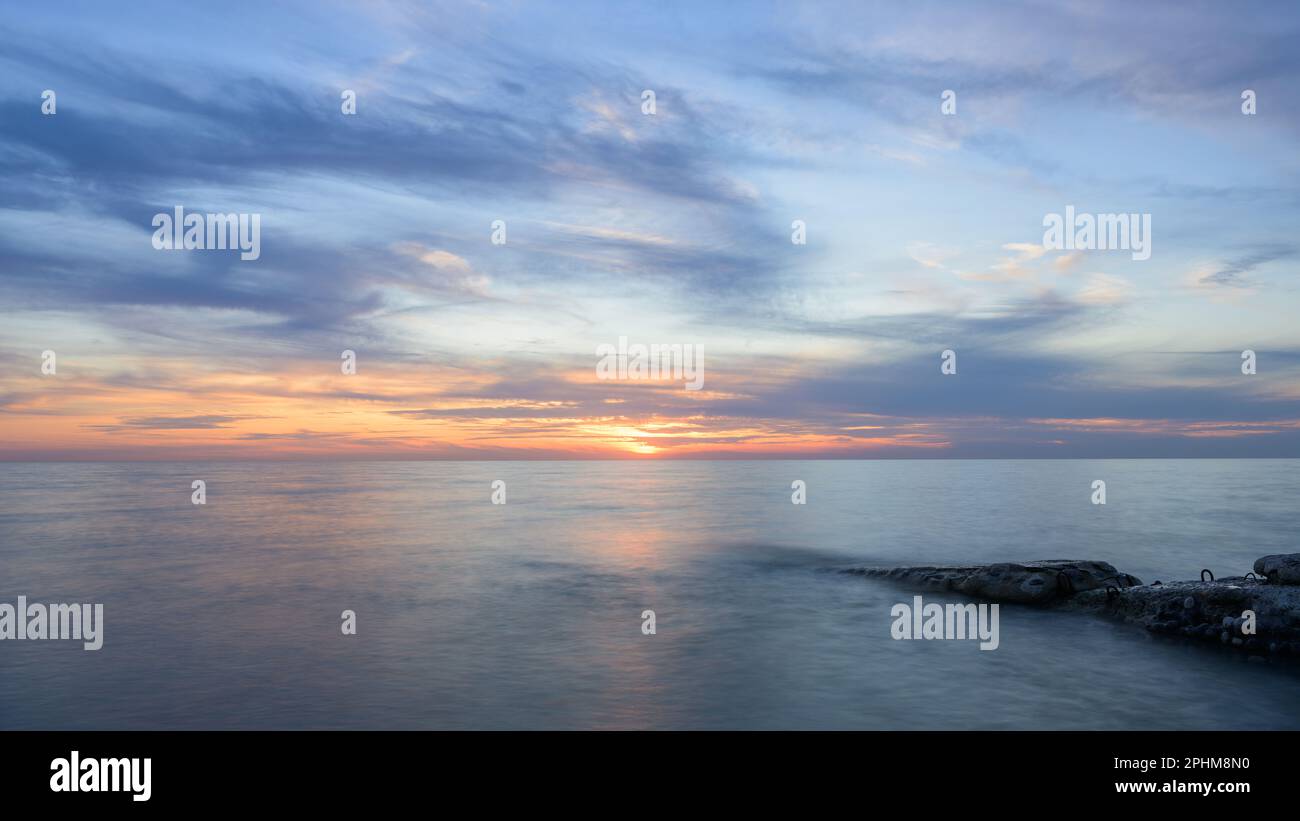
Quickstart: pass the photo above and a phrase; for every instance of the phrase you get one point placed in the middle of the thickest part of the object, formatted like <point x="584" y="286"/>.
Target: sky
<point x="923" y="229"/>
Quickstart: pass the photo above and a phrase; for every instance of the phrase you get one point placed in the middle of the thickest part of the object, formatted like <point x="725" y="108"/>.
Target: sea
<point x="536" y="612"/>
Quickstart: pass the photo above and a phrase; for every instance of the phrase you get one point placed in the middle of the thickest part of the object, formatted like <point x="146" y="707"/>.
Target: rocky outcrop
<point x="1282" y="568"/>
<point x="1260" y="615"/>
<point x="1251" y="614"/>
<point x="1039" y="582"/>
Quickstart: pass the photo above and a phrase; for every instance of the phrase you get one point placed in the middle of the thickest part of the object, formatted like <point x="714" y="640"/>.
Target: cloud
<point x="1104" y="289"/>
<point x="376" y="231"/>
<point x="209" y="422"/>
<point x="445" y="271"/>
<point x="1234" y="273"/>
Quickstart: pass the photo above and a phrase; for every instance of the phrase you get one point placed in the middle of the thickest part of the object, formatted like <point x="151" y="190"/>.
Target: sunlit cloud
<point x="669" y="227"/>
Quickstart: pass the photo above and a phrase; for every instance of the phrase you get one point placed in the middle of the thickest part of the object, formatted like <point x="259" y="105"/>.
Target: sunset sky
<point x="924" y="231"/>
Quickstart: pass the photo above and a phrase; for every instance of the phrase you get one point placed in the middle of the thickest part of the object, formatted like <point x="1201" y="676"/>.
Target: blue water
<point x="528" y="615"/>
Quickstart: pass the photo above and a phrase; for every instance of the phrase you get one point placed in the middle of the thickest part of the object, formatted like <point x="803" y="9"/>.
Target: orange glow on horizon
<point x="174" y="409"/>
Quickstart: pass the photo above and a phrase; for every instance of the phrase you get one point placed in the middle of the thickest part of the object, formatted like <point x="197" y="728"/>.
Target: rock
<point x="1200" y="610"/>
<point x="1028" y="583"/>
<point x="1281" y="568"/>
<point x="1221" y="603"/>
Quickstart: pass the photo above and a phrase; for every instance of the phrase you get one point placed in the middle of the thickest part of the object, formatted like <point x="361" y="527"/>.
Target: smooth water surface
<point x="528" y="614"/>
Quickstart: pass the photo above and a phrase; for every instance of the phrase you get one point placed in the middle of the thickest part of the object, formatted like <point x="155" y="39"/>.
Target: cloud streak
<point x="922" y="232"/>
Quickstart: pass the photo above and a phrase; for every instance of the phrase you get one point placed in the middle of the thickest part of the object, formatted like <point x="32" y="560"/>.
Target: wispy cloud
<point x="921" y="231"/>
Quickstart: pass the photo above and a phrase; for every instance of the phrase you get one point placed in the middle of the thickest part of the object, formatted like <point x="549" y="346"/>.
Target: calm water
<point x="527" y="615"/>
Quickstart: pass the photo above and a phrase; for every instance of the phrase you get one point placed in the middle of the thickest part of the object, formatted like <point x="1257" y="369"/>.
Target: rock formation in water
<point x="1281" y="568"/>
<point x="1259" y="614"/>
<point x="1038" y="582"/>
